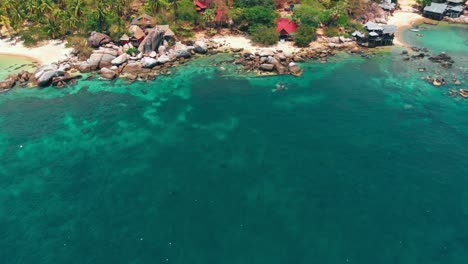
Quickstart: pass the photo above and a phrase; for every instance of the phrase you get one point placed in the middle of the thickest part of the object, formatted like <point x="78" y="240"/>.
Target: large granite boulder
<point x="266" y="53"/>
<point x="97" y="39"/>
<point x="266" y="67"/>
<point x="98" y="61"/>
<point x="108" y="51"/>
<point x="8" y="83"/>
<point x="45" y="74"/>
<point x="107" y="74"/>
<point x="149" y="62"/>
<point x="163" y="59"/>
<point x="120" y="59"/>
<point x="133" y="67"/>
<point x="162" y="50"/>
<point x="182" y="51"/>
<point x="152" y="41"/>
<point x="200" y="47"/>
<point x="295" y="70"/>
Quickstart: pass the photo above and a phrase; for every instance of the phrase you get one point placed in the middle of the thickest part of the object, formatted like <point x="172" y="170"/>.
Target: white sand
<point x="245" y="43"/>
<point x="404" y="18"/>
<point x="45" y="53"/>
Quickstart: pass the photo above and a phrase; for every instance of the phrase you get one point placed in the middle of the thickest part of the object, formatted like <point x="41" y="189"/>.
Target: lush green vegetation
<point x="265" y="35"/>
<point x="304" y="35"/>
<point x="35" y="20"/>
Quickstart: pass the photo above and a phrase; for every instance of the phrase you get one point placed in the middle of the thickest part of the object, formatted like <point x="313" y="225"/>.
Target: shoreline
<point x="51" y="51"/>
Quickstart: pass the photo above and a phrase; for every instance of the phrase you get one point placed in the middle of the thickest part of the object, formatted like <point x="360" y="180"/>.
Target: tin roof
<point x="435" y="8"/>
<point x="371" y="26"/>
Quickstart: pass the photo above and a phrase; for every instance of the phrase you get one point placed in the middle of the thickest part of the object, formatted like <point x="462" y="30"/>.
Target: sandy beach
<point x="404" y="18"/>
<point x="45" y="53"/>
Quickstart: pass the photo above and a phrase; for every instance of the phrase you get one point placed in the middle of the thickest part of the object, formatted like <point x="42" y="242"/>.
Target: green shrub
<point x="270" y="4"/>
<point x="265" y="35"/>
<point x="332" y="32"/>
<point x="260" y="15"/>
<point x="187" y="12"/>
<point x="132" y="50"/>
<point x="304" y="35"/>
<point x="80" y="46"/>
<point x="307" y="15"/>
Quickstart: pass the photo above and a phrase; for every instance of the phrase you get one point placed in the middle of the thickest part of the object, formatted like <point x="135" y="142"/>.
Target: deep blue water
<point x="358" y="161"/>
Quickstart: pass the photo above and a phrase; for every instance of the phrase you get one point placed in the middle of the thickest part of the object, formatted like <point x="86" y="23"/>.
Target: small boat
<point x="414" y="29"/>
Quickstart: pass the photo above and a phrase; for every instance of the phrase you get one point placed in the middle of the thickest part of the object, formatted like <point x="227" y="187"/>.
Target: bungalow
<point x="454" y="2"/>
<point x="377" y="35"/>
<point x="435" y="11"/>
<point x="168" y="33"/>
<point x="143" y="21"/>
<point x="137" y="35"/>
<point x="285" y="27"/>
<point x="125" y="39"/>
<point x="454" y="11"/>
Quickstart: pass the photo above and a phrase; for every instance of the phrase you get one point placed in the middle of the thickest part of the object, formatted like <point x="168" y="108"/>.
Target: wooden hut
<point x="125" y="39"/>
<point x="435" y="11"/>
<point x="168" y="33"/>
<point x="388" y="34"/>
<point x="454" y="11"/>
<point x="137" y="35"/>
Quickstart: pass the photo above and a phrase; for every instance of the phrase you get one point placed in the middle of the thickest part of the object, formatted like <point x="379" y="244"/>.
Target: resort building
<point x="377" y="35"/>
<point x="451" y="8"/>
<point x="285" y="27"/>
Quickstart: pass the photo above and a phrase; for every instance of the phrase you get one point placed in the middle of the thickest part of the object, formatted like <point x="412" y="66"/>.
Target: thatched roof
<point x="125" y="37"/>
<point x="167" y="30"/>
<point x="136" y="32"/>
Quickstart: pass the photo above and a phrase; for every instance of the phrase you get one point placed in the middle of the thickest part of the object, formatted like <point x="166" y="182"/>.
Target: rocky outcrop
<point x="45" y="74"/>
<point x="99" y="60"/>
<point x="107" y="74"/>
<point x="120" y="59"/>
<point x="97" y="39"/>
<point x="295" y="69"/>
<point x="133" y="67"/>
<point x="200" y="47"/>
<point x="458" y="20"/>
<point x="149" y="62"/>
<point x="8" y="83"/>
<point x="182" y="51"/>
<point x="266" y="67"/>
<point x="443" y="59"/>
<point x="163" y="59"/>
<point x="152" y="41"/>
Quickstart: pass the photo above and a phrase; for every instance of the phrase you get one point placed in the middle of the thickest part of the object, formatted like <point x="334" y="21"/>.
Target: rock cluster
<point x="22" y="79"/>
<point x="458" y="20"/>
<point x="443" y="59"/>
<point x="155" y="57"/>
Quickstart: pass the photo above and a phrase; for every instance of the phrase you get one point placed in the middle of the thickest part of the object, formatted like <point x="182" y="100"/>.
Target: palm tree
<point x="154" y="6"/>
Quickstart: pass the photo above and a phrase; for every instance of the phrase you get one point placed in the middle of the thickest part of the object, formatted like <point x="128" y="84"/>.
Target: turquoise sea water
<point x="358" y="161"/>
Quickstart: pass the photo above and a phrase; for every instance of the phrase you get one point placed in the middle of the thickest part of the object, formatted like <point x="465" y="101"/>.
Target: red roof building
<point x="200" y="6"/>
<point x="285" y="26"/>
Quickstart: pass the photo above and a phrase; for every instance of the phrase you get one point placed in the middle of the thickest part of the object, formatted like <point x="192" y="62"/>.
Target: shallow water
<point x="357" y="161"/>
<point x="12" y="64"/>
